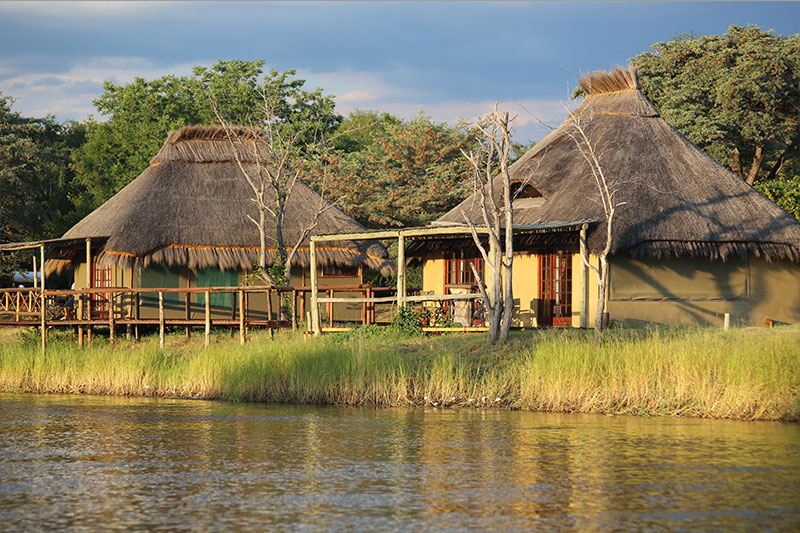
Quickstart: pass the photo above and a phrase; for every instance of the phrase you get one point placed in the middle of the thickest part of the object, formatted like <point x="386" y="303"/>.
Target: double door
<point x="555" y="290"/>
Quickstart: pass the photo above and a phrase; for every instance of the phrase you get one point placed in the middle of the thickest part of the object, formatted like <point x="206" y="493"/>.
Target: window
<point x="458" y="270"/>
<point x="337" y="271"/>
<point x="521" y="190"/>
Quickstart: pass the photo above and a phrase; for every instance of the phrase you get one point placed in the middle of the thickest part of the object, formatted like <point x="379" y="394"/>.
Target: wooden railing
<point x="285" y="308"/>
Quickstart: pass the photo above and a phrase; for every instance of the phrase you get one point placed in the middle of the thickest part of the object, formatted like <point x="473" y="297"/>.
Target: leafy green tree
<point x="35" y="178"/>
<point x="141" y="113"/>
<point x="390" y="172"/>
<point x="737" y="96"/>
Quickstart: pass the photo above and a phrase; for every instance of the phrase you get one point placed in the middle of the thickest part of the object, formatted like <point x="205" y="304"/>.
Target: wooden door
<point x="555" y="290"/>
<point x="101" y="277"/>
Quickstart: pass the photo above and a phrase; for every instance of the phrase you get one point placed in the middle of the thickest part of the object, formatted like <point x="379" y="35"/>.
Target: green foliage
<point x="397" y="173"/>
<point x="737" y="96"/>
<point x="784" y="192"/>
<point x="406" y="321"/>
<point x="141" y="113"/>
<point x="35" y="179"/>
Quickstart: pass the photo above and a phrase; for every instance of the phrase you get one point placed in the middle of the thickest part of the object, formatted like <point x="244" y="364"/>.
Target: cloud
<point x="108" y="10"/>
<point x="69" y="94"/>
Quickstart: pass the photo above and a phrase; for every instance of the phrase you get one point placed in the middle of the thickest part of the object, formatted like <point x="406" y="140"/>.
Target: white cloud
<point x="37" y="94"/>
<point x="107" y="10"/>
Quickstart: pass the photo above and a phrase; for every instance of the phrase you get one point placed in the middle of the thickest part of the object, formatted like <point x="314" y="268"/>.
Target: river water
<point x="76" y="462"/>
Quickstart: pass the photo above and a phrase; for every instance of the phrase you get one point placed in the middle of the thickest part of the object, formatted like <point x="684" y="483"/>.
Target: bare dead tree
<point x="607" y="199"/>
<point x="488" y="162"/>
<point x="273" y="158"/>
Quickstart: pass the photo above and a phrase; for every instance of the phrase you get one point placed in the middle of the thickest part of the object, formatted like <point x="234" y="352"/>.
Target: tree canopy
<point x="141" y="113"/>
<point x="35" y="177"/>
<point x="737" y="96"/>
<point x="393" y="172"/>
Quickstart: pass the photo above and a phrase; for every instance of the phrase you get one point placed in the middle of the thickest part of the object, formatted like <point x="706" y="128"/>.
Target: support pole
<point x="16" y="308"/>
<point x="80" y="317"/>
<point x="584" y="273"/>
<point x="208" y="318"/>
<point x="111" y="325"/>
<point x="44" y="325"/>
<point x="35" y="274"/>
<point x="161" y="320"/>
<point x="242" y="312"/>
<point x="89" y="329"/>
<point x="401" y="271"/>
<point x="136" y="311"/>
<point x="314" y="303"/>
<point x="294" y="309"/>
<point x="188" y="303"/>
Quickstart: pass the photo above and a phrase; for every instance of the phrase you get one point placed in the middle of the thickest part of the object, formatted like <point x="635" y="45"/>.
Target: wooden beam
<point x="242" y="312"/>
<point x="44" y="320"/>
<point x="35" y="274"/>
<point x="401" y="270"/>
<point x="584" y="273"/>
<point x="208" y="318"/>
<point x="362" y="236"/>
<point x="312" y="249"/>
<point x="90" y="329"/>
<point x="161" y="320"/>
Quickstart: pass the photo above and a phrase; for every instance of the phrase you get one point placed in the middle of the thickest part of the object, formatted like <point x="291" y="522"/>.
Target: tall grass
<point x="743" y="373"/>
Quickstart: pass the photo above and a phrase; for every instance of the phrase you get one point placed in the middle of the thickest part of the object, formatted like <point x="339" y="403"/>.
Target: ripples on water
<point x="99" y="463"/>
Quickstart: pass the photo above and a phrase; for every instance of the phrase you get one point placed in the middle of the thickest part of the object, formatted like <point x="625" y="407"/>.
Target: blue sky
<point x="452" y="58"/>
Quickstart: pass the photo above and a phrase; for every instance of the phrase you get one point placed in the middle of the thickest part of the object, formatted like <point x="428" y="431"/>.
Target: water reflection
<point x="94" y="463"/>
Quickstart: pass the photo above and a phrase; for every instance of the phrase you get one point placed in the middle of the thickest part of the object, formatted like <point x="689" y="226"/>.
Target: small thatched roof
<point x="190" y="207"/>
<point x="679" y="200"/>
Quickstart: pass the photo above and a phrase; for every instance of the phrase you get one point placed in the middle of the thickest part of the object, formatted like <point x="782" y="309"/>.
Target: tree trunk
<point x="757" y="159"/>
<point x="601" y="298"/>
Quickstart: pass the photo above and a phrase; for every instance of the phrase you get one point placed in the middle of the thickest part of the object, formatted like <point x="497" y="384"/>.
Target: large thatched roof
<point x="679" y="200"/>
<point x="190" y="207"/>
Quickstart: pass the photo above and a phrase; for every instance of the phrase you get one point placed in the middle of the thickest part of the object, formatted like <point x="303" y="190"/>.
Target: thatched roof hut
<point x="190" y="208"/>
<point x="679" y="200"/>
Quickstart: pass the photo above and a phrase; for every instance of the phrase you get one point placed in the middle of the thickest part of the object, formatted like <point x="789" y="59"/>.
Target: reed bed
<point x="750" y="374"/>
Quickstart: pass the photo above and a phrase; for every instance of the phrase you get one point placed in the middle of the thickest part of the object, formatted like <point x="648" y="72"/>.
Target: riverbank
<point x="749" y="374"/>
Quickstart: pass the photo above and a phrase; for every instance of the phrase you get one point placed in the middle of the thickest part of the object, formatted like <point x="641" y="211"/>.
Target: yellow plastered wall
<point x="433" y="274"/>
<point x="525" y="286"/>
<point x="120" y="277"/>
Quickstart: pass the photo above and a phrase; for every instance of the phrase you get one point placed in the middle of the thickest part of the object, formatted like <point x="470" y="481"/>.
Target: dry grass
<point x="751" y="374"/>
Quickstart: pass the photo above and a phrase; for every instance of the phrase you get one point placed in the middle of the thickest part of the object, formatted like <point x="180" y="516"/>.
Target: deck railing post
<point x="44" y="319"/>
<point x="242" y="311"/>
<point x="294" y="309"/>
<point x="136" y="311"/>
<point x="16" y="309"/>
<point x="89" y="328"/>
<point x="111" y="325"/>
<point x="188" y="313"/>
<point x="208" y="318"/>
<point x="314" y="303"/>
<point x="161" y="320"/>
<point x="584" y="273"/>
<point x="401" y="270"/>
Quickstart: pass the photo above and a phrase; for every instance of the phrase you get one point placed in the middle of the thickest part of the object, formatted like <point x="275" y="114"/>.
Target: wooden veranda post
<point x="242" y="312"/>
<point x="44" y="325"/>
<point x="314" y="304"/>
<point x="401" y="271"/>
<point x="89" y="329"/>
<point x="112" y="327"/>
<point x="584" y="273"/>
<point x="161" y="320"/>
<point x="208" y="318"/>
